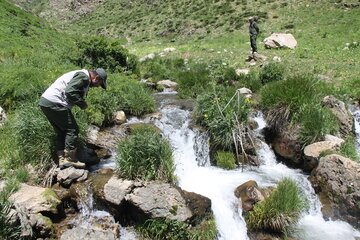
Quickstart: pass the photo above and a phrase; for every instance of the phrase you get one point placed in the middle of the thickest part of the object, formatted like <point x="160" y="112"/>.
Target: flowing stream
<point x="195" y="174"/>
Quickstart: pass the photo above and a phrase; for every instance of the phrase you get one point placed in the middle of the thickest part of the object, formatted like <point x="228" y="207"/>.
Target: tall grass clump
<point x="348" y="149"/>
<point x="35" y="137"/>
<point x="7" y="229"/>
<point x="271" y="72"/>
<point x="159" y="229"/>
<point x="220" y="111"/>
<point x="225" y="160"/>
<point x="301" y="97"/>
<point x="145" y="155"/>
<point x="279" y="211"/>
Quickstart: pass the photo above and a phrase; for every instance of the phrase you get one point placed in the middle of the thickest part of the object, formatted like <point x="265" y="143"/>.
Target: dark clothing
<point x="254" y="31"/>
<point x="65" y="127"/>
<point x="253" y="28"/>
<point x="253" y="43"/>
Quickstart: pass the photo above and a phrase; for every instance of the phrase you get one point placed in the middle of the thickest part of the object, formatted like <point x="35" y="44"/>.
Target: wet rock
<point x="337" y="181"/>
<point x="159" y="200"/>
<point x="42" y="226"/>
<point x="71" y="175"/>
<point x="36" y="199"/>
<point x="249" y="193"/>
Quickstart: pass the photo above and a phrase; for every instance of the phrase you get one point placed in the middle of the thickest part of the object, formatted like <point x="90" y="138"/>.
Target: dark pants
<point x="253" y="43"/>
<point x="65" y="127"/>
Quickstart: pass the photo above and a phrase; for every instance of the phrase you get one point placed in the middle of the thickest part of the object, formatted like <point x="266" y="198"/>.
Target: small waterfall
<point x="356" y="116"/>
<point x="196" y="175"/>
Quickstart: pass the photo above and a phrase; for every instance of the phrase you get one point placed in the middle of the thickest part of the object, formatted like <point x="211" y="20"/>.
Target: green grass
<point x="145" y="155"/>
<point x="225" y="160"/>
<point x="279" y="211"/>
<point x="159" y="229"/>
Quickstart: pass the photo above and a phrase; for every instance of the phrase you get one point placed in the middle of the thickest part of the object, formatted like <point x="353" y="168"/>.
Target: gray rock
<point x="337" y="181"/>
<point x="160" y="200"/>
<point x="116" y="189"/>
<point x="36" y="199"/>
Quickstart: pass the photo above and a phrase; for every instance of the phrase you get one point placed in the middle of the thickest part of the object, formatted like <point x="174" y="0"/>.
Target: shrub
<point x="278" y="212"/>
<point x="225" y="160"/>
<point x="220" y="71"/>
<point x="193" y="81"/>
<point x="250" y="81"/>
<point x="218" y="111"/>
<point x="162" y="68"/>
<point x="145" y="155"/>
<point x="111" y="55"/>
<point x="123" y="94"/>
<point x="271" y="72"/>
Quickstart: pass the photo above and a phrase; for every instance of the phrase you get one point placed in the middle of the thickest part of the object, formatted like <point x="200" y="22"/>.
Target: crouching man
<point x="56" y="103"/>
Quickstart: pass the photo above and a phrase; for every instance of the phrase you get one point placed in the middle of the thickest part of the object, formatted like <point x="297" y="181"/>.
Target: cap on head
<point x="102" y="74"/>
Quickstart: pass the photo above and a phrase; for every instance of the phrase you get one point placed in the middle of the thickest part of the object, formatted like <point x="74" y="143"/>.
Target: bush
<point x="225" y="160"/>
<point x="271" y="72"/>
<point x="217" y="110"/>
<point x="194" y="81"/>
<point x="124" y="94"/>
<point x="220" y="72"/>
<point x="162" y="68"/>
<point x="250" y="81"/>
<point x="145" y="155"/>
<point x="7" y="229"/>
<point x="278" y="212"/>
<point x="100" y="52"/>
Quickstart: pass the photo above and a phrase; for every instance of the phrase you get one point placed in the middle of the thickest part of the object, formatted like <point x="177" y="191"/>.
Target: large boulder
<point x="162" y="200"/>
<point x="248" y="193"/>
<point x="36" y="199"/>
<point x="312" y="152"/>
<point x="339" y="109"/>
<point x="337" y="181"/>
<point x="280" y="40"/>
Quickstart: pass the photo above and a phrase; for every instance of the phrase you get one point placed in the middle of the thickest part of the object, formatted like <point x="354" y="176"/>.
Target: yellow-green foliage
<point x="279" y="211"/>
<point x="225" y="160"/>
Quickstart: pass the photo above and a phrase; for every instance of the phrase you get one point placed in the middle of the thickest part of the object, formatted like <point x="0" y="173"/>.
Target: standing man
<point x="56" y="102"/>
<point x="254" y="31"/>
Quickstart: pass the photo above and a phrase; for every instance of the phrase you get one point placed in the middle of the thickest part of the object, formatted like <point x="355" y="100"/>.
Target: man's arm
<point x="74" y="91"/>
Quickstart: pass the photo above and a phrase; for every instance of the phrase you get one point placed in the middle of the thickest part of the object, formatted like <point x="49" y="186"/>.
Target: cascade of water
<point x="356" y="116"/>
<point x="219" y="185"/>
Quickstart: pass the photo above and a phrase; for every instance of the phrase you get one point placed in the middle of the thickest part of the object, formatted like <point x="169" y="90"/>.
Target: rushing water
<point x="195" y="174"/>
